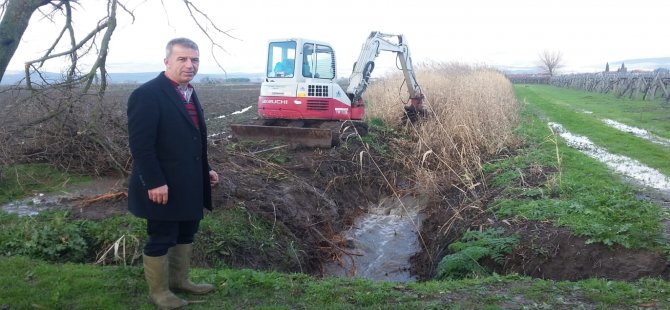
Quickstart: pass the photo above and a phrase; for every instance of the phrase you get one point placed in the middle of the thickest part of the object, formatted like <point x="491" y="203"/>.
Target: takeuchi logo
<point x="275" y="101"/>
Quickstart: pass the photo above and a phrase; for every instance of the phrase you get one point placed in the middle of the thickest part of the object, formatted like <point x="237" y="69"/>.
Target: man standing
<point x="171" y="179"/>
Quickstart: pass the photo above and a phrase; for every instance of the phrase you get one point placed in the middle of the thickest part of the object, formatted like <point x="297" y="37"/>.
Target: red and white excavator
<point x="300" y="100"/>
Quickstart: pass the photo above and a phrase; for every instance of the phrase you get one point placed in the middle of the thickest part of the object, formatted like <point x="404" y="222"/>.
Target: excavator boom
<point x="377" y="42"/>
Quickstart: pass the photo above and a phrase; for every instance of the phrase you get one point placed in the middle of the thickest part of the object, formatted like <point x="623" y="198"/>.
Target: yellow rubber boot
<point x="156" y="271"/>
<point x="180" y="263"/>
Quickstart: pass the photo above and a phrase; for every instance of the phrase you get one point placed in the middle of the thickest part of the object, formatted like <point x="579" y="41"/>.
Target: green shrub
<point x="473" y="247"/>
<point x="117" y="239"/>
<point x="54" y="236"/>
<point x="47" y="236"/>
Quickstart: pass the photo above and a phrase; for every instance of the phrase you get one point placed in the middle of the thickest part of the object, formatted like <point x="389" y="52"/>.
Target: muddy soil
<point x="317" y="194"/>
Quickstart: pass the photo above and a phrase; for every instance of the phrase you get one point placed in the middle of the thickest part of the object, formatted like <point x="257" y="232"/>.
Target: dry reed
<point x="472" y="112"/>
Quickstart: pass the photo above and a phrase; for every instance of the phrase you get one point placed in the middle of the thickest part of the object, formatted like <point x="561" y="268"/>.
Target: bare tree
<point x="550" y="61"/>
<point x="63" y="122"/>
<point x="16" y="15"/>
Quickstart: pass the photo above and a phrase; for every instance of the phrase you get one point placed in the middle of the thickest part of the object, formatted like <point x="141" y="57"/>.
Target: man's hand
<point x="159" y="195"/>
<point x="213" y="178"/>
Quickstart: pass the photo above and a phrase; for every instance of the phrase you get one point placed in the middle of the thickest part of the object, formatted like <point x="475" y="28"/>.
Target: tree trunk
<point x="13" y="25"/>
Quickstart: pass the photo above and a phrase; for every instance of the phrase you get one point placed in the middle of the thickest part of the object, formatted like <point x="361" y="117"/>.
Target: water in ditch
<point x="382" y="241"/>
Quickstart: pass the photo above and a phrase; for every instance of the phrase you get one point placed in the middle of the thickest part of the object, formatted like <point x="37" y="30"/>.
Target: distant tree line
<point x="213" y="80"/>
<point x="529" y="78"/>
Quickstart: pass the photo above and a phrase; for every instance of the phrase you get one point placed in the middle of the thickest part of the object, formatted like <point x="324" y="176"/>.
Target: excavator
<point x="301" y="102"/>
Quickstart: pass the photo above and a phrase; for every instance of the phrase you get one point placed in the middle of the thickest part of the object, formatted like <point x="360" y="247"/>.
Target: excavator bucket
<point x="309" y="137"/>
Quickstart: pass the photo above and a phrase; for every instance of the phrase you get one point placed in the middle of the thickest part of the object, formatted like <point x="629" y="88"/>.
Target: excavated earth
<point x="315" y="195"/>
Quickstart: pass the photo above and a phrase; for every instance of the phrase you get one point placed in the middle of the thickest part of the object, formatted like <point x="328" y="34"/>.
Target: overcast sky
<point x="499" y="33"/>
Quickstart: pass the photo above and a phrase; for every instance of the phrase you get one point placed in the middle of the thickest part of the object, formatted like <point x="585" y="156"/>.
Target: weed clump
<point x="55" y="237"/>
<point x="472" y="249"/>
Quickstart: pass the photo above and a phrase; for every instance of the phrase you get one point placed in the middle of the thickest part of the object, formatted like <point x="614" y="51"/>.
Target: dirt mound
<point x="554" y="253"/>
<point x="313" y="193"/>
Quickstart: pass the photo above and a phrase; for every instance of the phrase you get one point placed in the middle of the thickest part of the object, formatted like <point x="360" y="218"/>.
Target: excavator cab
<point x="300" y="84"/>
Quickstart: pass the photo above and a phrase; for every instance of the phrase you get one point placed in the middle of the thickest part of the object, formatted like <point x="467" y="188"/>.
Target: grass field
<point x="33" y="284"/>
<point x="568" y="107"/>
<point x="584" y="195"/>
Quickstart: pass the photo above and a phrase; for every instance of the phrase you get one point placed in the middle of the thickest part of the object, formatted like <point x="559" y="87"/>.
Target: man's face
<point x="182" y="65"/>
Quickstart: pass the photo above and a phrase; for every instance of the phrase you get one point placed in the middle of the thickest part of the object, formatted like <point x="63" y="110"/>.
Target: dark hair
<point x="181" y="42"/>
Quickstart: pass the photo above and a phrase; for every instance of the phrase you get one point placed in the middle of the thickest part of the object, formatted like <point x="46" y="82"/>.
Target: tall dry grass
<point x="472" y="112"/>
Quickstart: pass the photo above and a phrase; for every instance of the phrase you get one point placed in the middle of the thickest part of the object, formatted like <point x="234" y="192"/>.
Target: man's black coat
<point x="167" y="148"/>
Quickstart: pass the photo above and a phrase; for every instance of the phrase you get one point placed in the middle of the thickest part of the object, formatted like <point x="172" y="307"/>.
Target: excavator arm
<point x="377" y="42"/>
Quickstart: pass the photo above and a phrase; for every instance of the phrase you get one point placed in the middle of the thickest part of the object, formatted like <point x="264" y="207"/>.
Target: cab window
<point x="318" y="61"/>
<point x="281" y="59"/>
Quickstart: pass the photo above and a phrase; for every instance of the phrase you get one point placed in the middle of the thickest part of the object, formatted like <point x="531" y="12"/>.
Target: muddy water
<point x="63" y="198"/>
<point x="626" y="166"/>
<point x="382" y="241"/>
<point x="30" y="206"/>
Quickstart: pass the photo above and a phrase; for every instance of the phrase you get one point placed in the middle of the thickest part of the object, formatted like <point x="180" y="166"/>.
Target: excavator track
<point x="323" y="134"/>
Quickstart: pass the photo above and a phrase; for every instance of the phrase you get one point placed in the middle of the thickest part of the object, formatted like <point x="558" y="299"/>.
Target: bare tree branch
<point x="104" y="48"/>
<point x="191" y="8"/>
<point x="130" y="12"/>
<point x="11" y="31"/>
<point x="550" y="61"/>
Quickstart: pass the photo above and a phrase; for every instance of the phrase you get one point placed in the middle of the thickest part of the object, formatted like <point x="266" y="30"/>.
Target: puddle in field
<point x="638" y="132"/>
<point x="626" y="166"/>
<point x="216" y="134"/>
<point x="62" y="199"/>
<point x="236" y="112"/>
<point x="224" y="132"/>
<point x="382" y="241"/>
<point x="242" y="111"/>
<point x="31" y="206"/>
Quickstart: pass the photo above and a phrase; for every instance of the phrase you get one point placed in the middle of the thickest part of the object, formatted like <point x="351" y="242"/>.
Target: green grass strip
<point x="555" y="106"/>
<point x="579" y="192"/>
<point x="653" y="116"/>
<point x="34" y="284"/>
